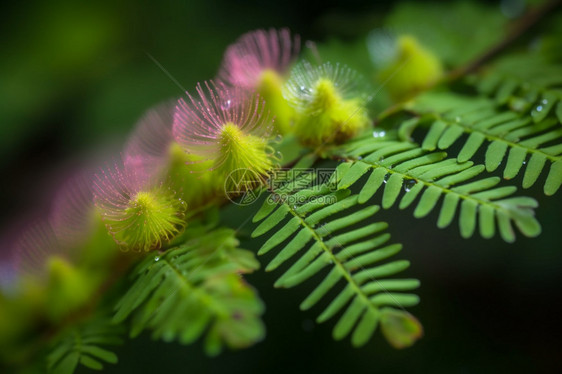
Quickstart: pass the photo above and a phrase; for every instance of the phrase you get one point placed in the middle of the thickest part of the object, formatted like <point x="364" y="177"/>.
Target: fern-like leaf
<point x="193" y="288"/>
<point x="305" y="226"/>
<point x="524" y="141"/>
<point x="403" y="166"/>
<point x="527" y="83"/>
<point x="82" y="344"/>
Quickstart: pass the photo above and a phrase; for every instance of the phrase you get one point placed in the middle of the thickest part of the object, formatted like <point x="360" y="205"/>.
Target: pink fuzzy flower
<point x="26" y="253"/>
<point x="148" y="146"/>
<point x="200" y="121"/>
<point x="258" y="51"/>
<point x="69" y="224"/>
<point x="71" y="215"/>
<point x="114" y="185"/>
<point x="138" y="210"/>
<point x="36" y="245"/>
<point x="8" y="275"/>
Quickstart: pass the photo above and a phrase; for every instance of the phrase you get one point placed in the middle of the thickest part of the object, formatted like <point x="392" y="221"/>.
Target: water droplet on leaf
<point x="409" y="184"/>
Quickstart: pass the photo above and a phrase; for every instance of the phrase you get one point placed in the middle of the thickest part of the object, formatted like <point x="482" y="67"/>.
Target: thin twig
<point x="519" y="28"/>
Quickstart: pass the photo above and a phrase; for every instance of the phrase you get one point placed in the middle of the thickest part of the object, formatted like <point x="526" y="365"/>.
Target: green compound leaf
<point x="406" y="173"/>
<point x="528" y="83"/>
<point x="331" y="232"/>
<point x="82" y="344"/>
<point x="196" y="289"/>
<point x="522" y="141"/>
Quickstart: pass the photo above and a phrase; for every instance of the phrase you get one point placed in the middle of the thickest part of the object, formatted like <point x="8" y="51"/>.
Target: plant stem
<point x="519" y="28"/>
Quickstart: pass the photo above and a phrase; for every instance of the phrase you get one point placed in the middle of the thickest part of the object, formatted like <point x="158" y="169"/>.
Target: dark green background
<point x="74" y="78"/>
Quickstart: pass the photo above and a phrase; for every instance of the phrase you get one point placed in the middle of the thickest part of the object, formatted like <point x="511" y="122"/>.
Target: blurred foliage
<point x="456" y="33"/>
<point x="194" y="290"/>
<point x="82" y="344"/>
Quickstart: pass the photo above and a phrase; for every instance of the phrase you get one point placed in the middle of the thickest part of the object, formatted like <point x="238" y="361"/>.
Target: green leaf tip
<point x="400" y="328"/>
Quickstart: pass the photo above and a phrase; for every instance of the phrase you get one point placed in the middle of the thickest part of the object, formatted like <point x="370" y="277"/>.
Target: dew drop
<point x="360" y="158"/>
<point x="386" y="176"/>
<point x="278" y="138"/>
<point x="156" y="258"/>
<point x="457" y="119"/>
<point x="279" y="155"/>
<point x="182" y="203"/>
<point x="544" y="101"/>
<point x="226" y="104"/>
<point x="379" y="134"/>
<point x="409" y="184"/>
<point x="538" y="108"/>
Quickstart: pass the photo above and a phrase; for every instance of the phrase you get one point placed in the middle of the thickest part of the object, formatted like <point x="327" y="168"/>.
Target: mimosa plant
<point x="138" y="244"/>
